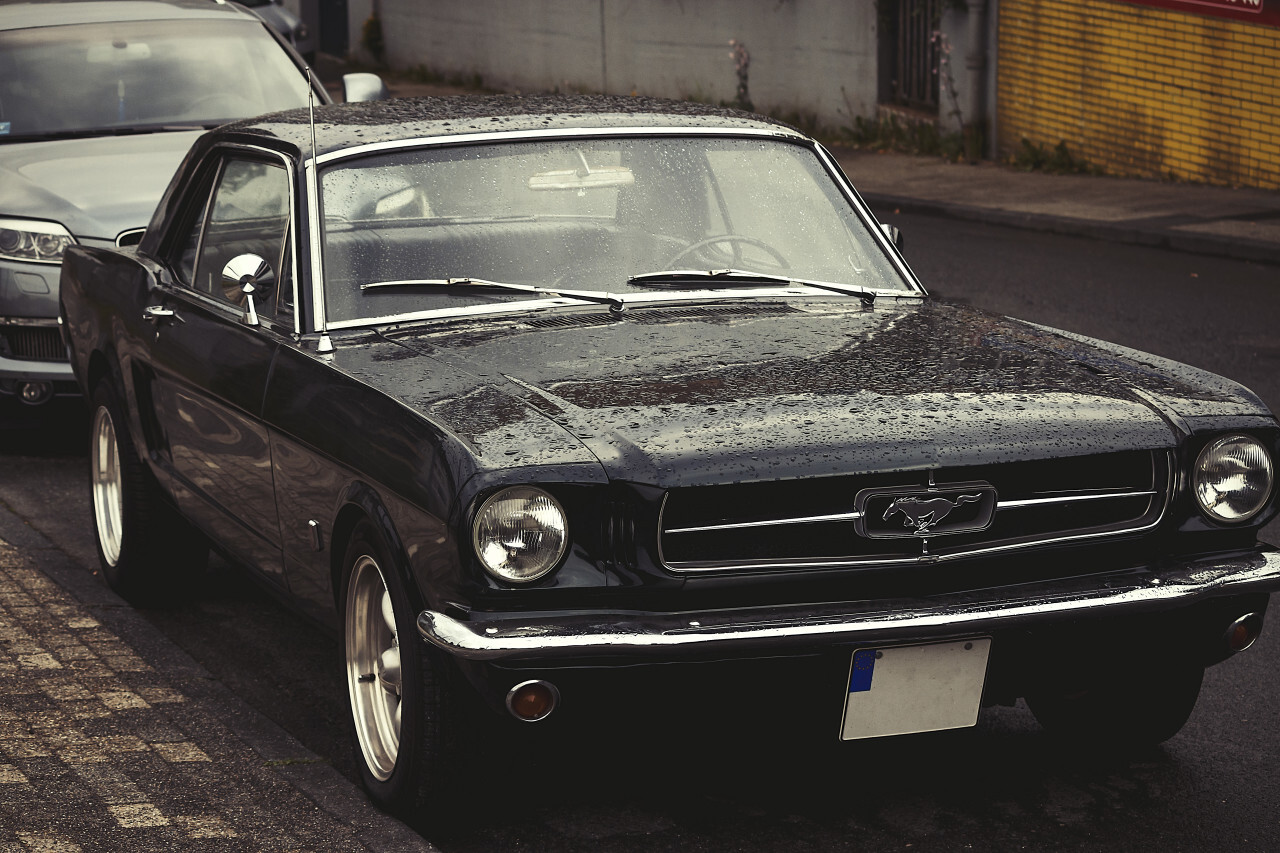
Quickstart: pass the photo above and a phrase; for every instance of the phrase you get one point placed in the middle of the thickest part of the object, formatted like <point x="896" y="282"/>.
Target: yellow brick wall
<point x="1141" y="91"/>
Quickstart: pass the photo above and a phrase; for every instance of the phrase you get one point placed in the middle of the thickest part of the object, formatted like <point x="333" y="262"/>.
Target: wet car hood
<point x="688" y="396"/>
<point x="96" y="187"/>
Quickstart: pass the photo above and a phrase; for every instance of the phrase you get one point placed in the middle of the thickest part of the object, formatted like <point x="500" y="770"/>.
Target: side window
<point x="247" y="214"/>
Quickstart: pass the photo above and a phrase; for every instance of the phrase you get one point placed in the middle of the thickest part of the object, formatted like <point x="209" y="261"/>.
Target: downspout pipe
<point x="975" y="63"/>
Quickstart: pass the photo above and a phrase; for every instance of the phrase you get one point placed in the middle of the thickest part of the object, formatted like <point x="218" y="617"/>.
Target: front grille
<point x="32" y="343"/>
<point x="814" y="523"/>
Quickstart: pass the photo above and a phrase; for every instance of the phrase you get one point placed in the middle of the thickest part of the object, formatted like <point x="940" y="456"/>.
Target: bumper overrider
<point x="639" y="637"/>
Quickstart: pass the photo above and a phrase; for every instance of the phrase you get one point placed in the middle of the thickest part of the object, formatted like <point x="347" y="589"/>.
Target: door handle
<point x="157" y="313"/>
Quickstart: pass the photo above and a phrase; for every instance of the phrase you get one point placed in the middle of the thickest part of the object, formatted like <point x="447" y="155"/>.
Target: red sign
<point x="1264" y="12"/>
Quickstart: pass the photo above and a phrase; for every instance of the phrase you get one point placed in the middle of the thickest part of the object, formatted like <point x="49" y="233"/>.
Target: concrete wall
<point x="814" y="57"/>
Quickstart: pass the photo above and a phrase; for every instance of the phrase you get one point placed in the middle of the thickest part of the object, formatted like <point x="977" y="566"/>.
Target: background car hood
<point x="96" y="187"/>
<point x="688" y="396"/>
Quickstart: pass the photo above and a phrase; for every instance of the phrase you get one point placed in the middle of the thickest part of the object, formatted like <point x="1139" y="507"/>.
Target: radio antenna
<point x="313" y="190"/>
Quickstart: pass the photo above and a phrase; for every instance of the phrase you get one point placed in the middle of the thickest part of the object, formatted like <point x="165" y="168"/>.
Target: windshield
<point x="109" y="78"/>
<point x="585" y="214"/>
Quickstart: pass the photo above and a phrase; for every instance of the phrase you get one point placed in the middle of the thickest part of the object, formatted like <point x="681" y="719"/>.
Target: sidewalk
<point x="111" y="738"/>
<point x="1234" y="223"/>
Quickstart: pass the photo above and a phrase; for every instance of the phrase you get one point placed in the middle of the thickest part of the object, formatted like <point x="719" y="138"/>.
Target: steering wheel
<point x="730" y="238"/>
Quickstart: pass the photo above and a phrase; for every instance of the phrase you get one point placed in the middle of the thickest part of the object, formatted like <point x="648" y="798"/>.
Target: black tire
<point x="1125" y="708"/>
<point x="417" y="776"/>
<point x="147" y="552"/>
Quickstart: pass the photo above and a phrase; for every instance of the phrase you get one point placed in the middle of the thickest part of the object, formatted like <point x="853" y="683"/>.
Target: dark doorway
<point x="334" y="37"/>
<point x="909" y="53"/>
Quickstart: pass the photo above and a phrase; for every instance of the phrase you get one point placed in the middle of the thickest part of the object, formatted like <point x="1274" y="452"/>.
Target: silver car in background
<point x="99" y="101"/>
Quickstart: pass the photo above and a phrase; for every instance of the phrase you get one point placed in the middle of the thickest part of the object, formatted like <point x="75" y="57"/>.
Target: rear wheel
<point x="405" y="722"/>
<point x="147" y="553"/>
<point x="1121" y="707"/>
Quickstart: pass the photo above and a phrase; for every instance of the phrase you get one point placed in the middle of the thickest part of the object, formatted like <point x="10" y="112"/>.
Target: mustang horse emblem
<point x="924" y="514"/>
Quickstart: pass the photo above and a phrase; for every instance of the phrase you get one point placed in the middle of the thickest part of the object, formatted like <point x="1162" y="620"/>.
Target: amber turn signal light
<point x="532" y="701"/>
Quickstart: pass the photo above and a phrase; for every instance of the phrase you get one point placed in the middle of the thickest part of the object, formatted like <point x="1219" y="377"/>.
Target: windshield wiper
<point x="742" y="278"/>
<point x="614" y="301"/>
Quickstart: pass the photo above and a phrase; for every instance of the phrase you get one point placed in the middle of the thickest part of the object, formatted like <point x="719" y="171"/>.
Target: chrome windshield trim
<point x="629" y="300"/>
<point x="318" y="315"/>
<point x="872" y="221"/>
<point x="561" y="132"/>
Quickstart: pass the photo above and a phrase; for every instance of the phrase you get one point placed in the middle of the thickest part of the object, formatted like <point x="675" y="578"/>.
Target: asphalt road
<point x="765" y="784"/>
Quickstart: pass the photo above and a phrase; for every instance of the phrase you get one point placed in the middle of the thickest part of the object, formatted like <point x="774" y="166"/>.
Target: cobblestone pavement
<point x="101" y="750"/>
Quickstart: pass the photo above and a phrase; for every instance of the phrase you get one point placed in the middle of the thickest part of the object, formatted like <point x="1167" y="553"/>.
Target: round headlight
<point x="520" y="534"/>
<point x="1233" y="478"/>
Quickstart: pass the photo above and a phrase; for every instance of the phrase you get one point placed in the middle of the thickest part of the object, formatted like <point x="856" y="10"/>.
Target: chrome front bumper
<point x="640" y="636"/>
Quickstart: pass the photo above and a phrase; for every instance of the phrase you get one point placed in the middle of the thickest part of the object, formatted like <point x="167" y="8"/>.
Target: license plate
<point x="900" y="690"/>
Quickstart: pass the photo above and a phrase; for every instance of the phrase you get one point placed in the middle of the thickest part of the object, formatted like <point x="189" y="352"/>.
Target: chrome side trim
<point x="664" y="636"/>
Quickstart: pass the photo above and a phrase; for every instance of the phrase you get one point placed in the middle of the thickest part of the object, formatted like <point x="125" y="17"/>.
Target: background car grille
<point x="810" y="523"/>
<point x="32" y="343"/>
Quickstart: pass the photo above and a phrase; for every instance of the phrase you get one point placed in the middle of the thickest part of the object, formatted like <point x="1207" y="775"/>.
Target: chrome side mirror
<point x="242" y="278"/>
<point x="363" y="86"/>
<point x="894" y="233"/>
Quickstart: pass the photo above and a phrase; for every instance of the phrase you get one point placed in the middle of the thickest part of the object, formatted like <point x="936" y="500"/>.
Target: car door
<point x="213" y="352"/>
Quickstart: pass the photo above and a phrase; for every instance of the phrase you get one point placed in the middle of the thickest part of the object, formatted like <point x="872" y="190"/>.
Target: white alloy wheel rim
<point x="108" y="503"/>
<point x="373" y="667"/>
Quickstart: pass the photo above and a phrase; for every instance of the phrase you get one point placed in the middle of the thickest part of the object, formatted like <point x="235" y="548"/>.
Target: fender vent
<point x="618" y="535"/>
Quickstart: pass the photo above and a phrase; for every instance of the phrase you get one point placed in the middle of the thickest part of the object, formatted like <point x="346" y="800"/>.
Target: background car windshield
<point x="585" y="214"/>
<point x="76" y="78"/>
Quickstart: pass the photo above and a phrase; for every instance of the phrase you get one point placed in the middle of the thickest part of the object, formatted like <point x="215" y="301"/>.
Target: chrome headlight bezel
<point x="33" y="241"/>
<point x="1238" y="459"/>
<point x="520" y="518"/>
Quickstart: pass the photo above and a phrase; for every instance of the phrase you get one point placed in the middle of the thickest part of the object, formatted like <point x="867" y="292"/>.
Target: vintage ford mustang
<point x="538" y="399"/>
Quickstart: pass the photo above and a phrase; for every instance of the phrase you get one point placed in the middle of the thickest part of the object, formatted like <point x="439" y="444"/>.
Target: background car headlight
<point x="520" y="534"/>
<point x="1233" y="478"/>
<point x="32" y="240"/>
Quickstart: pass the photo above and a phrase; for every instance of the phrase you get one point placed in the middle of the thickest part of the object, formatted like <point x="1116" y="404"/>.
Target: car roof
<point x="342" y="126"/>
<point x="27" y="14"/>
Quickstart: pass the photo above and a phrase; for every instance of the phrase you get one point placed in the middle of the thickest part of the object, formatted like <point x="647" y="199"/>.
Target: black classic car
<point x="536" y="399"/>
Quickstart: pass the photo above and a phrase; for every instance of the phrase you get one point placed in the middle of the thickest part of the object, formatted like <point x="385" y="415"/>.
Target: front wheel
<point x="147" y="553"/>
<point x="406" y="728"/>
<point x="1121" y="707"/>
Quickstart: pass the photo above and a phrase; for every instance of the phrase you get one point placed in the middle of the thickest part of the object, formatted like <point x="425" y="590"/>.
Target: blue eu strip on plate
<point x="864" y="664"/>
